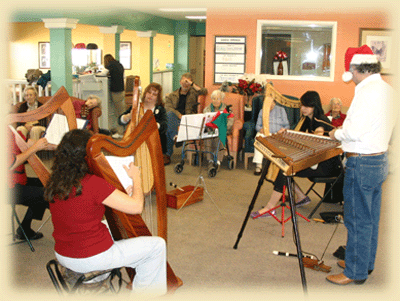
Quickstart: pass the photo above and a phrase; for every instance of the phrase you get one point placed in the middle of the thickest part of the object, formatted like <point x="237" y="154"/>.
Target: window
<point x="308" y="47"/>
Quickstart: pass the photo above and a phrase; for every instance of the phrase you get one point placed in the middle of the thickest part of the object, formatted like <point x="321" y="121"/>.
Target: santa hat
<point x="357" y="56"/>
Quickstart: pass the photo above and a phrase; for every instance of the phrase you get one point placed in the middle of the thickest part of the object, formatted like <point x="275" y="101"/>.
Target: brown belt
<point x="363" y="155"/>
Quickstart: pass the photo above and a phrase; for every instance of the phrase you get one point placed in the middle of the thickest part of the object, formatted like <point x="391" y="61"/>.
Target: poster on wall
<point x="229" y="58"/>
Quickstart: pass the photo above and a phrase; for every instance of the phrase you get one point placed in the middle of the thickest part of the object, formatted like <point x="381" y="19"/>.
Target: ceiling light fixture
<point x="196" y="17"/>
<point x="183" y="9"/>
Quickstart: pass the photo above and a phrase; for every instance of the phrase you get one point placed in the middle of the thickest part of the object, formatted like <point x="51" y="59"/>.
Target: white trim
<point x="359" y="59"/>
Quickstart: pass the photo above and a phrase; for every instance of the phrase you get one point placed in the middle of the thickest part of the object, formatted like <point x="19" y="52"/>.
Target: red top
<point x="78" y="104"/>
<point x="338" y="121"/>
<point x="78" y="230"/>
<point x="18" y="175"/>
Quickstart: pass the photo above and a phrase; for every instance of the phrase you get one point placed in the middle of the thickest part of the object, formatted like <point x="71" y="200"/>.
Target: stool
<point x="96" y="282"/>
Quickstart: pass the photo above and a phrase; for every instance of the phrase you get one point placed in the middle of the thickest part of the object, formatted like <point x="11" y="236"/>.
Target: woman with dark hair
<point x="317" y="123"/>
<point x="77" y="204"/>
<point x="151" y="100"/>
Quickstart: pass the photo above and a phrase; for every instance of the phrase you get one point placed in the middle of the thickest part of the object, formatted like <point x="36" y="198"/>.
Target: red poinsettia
<point x="249" y="88"/>
<point x="280" y="56"/>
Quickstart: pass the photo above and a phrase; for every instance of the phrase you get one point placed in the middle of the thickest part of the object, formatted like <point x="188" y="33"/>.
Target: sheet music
<point x="117" y="164"/>
<point x="59" y="126"/>
<point x="191" y="125"/>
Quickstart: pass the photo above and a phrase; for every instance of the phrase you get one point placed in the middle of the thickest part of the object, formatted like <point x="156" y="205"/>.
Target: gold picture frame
<point x="380" y="41"/>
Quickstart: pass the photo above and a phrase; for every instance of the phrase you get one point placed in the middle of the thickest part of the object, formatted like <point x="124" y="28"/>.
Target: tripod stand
<point x="289" y="181"/>
<point x="200" y="179"/>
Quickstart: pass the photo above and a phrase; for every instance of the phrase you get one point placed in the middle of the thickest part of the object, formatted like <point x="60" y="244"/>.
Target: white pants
<point x="258" y="156"/>
<point x="146" y="254"/>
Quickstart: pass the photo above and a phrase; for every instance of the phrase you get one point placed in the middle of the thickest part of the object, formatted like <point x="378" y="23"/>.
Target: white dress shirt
<point x="370" y="119"/>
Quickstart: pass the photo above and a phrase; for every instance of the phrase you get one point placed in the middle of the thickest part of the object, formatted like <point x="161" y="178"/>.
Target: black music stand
<point x="196" y="131"/>
<point x="289" y="181"/>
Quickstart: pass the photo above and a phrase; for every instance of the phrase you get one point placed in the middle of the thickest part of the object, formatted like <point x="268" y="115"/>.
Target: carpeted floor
<point x="201" y="237"/>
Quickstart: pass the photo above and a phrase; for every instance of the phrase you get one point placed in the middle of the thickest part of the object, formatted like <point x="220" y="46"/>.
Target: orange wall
<point x="244" y="23"/>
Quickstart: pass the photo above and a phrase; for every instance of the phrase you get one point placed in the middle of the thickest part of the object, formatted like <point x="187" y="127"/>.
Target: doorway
<point x="197" y="56"/>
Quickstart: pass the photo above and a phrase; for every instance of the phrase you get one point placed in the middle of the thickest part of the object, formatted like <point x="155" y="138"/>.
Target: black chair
<point x="330" y="184"/>
<point x="68" y="281"/>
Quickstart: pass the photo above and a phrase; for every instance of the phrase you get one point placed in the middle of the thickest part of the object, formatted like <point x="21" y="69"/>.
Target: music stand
<point x="289" y="180"/>
<point x="193" y="127"/>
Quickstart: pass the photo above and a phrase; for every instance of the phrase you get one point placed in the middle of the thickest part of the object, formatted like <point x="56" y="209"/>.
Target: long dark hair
<point x="69" y="166"/>
<point x="311" y="99"/>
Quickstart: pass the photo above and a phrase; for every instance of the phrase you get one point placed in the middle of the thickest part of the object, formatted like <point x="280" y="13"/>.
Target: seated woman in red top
<point x="335" y="115"/>
<point x="77" y="204"/>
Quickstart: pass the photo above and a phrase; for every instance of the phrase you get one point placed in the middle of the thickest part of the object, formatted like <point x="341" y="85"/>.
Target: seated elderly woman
<point x="335" y="115"/>
<point x="83" y="109"/>
<point x="33" y="129"/>
<point x="217" y="97"/>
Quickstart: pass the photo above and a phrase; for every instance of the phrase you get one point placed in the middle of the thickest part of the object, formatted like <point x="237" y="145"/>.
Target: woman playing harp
<point x="314" y="122"/>
<point x="77" y="204"/>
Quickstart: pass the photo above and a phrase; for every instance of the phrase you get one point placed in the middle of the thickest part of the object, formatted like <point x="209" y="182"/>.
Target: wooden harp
<point x="60" y="100"/>
<point x="124" y="225"/>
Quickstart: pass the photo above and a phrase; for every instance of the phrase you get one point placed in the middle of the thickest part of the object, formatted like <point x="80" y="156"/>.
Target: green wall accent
<point x="61" y="59"/>
<point x="181" y="51"/>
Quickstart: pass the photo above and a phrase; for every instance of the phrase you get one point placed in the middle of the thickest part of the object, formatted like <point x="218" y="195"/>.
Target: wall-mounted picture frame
<point x="44" y="55"/>
<point x="125" y="54"/>
<point x="381" y="43"/>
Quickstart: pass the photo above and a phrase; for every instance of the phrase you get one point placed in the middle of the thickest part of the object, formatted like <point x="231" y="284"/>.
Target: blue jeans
<point x="362" y="193"/>
<point x="173" y="124"/>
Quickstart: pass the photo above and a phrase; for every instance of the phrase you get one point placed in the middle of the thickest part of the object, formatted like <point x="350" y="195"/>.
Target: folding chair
<point x="325" y="180"/>
<point x="15" y="216"/>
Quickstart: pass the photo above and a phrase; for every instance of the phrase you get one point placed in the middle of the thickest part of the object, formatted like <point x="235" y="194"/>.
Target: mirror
<point x="296" y="50"/>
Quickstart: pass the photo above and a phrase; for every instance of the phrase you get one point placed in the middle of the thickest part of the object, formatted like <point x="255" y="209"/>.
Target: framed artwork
<point x="381" y="43"/>
<point x="125" y="54"/>
<point x="44" y="55"/>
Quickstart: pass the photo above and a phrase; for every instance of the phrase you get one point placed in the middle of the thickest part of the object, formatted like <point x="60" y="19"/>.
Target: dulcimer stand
<point x="289" y="185"/>
<point x="200" y="179"/>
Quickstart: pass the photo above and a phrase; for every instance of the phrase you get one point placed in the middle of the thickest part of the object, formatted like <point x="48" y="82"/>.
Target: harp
<point x="144" y="135"/>
<point x="272" y="94"/>
<point x="60" y="101"/>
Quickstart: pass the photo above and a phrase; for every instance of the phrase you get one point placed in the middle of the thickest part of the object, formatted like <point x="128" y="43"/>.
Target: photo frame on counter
<point x="229" y="58"/>
<point x="44" y="55"/>
<point x="381" y="43"/>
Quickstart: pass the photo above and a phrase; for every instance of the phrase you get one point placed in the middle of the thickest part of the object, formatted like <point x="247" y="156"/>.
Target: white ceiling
<point x="175" y="15"/>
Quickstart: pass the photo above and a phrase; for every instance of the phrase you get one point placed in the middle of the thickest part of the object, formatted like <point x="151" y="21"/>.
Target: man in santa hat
<point x="365" y="137"/>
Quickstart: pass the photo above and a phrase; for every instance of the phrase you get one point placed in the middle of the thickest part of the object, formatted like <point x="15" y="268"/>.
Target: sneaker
<point x="303" y="202"/>
<point x="256" y="214"/>
<point x="117" y="136"/>
<point x="257" y="172"/>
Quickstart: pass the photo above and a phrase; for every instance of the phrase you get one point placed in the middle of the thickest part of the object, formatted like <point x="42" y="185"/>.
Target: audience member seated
<point x="24" y="192"/>
<point x="277" y="120"/>
<point x="31" y="130"/>
<point x="78" y="202"/>
<point x="335" y="114"/>
<point x="84" y="110"/>
<point x="182" y="101"/>
<point x="311" y="109"/>
<point x="217" y="97"/>
<point x="152" y="100"/>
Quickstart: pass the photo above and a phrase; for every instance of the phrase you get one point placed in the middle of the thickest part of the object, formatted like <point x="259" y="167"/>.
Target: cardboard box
<point x="176" y="198"/>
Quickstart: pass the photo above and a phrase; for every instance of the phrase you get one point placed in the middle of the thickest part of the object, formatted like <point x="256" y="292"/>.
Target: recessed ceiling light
<point x="183" y="9"/>
<point x="196" y="17"/>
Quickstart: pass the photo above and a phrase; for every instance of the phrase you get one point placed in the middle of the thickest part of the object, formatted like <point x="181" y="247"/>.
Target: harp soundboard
<point x="294" y="151"/>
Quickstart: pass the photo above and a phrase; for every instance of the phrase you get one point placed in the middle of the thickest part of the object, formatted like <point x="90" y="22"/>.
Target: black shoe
<point x="32" y="235"/>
